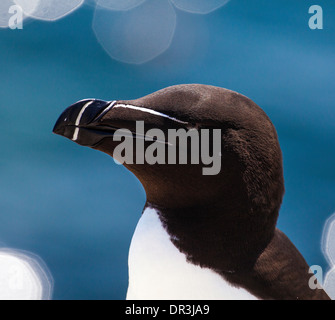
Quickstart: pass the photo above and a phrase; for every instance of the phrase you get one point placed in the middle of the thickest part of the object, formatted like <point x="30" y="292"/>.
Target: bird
<point x="201" y="236"/>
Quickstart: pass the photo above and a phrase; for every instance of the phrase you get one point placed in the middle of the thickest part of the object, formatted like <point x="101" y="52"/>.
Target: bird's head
<point x="230" y="146"/>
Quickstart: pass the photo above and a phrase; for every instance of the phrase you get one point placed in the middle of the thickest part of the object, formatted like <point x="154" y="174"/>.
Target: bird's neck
<point x="217" y="237"/>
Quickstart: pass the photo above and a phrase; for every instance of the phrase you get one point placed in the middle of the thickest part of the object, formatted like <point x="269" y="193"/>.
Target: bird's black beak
<point x="88" y="122"/>
<point x="80" y="122"/>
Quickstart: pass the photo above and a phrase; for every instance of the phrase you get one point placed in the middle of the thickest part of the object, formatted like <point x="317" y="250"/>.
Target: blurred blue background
<point x="76" y="208"/>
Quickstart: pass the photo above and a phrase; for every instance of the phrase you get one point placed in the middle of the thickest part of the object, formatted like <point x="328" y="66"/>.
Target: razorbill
<point x="202" y="236"/>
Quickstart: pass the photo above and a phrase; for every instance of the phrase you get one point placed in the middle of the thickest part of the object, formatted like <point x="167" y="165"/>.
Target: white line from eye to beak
<point x="126" y="106"/>
<point x="80" y="115"/>
<point x="156" y="113"/>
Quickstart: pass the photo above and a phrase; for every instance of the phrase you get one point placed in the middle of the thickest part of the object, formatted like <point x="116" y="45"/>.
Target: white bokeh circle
<point x="328" y="240"/>
<point x="328" y="248"/>
<point x="23" y="276"/>
<point x="119" y="5"/>
<point x="329" y="283"/>
<point x="137" y="35"/>
<point x="199" y="6"/>
<point x="48" y="10"/>
<point x="5" y="15"/>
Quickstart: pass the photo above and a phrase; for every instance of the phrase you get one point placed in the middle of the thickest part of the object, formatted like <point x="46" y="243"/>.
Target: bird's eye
<point x="193" y="125"/>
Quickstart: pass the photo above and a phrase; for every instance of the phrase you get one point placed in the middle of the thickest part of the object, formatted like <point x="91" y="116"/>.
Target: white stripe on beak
<point x="80" y="115"/>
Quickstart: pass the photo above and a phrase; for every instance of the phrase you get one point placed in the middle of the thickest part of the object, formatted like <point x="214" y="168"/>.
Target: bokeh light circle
<point x="5" y="15"/>
<point x="328" y="240"/>
<point x="329" y="283"/>
<point x="199" y="6"/>
<point x="328" y="248"/>
<point x="48" y="10"/>
<point x="23" y="276"/>
<point x="138" y="35"/>
<point x="119" y="5"/>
